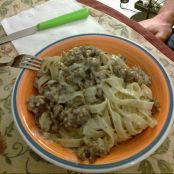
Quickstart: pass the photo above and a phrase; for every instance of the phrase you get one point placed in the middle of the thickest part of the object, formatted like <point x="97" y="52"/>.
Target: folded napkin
<point x="50" y="9"/>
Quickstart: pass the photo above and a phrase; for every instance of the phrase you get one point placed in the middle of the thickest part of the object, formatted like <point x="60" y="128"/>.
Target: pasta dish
<point x="90" y="101"/>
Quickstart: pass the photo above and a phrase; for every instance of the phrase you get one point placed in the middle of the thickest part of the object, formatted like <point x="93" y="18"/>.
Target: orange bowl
<point x="123" y="155"/>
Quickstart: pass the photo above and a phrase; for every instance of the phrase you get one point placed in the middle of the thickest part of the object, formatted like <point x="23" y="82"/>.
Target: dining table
<point x="15" y="155"/>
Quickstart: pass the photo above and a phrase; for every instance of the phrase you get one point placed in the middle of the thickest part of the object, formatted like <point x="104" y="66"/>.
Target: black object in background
<point x="124" y="1"/>
<point x="147" y="12"/>
<point x="125" y="8"/>
<point x="152" y="7"/>
<point x="170" y="41"/>
<point x="140" y="16"/>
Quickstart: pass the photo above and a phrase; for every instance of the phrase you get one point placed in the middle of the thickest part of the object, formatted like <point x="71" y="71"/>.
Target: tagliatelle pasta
<point x="90" y="101"/>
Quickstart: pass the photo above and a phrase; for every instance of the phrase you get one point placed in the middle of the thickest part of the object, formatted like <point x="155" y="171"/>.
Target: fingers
<point x="147" y="24"/>
<point x="161" y="29"/>
<point x="163" y="35"/>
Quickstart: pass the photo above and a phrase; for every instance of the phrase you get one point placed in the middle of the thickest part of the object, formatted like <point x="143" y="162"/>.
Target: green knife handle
<point x="60" y="20"/>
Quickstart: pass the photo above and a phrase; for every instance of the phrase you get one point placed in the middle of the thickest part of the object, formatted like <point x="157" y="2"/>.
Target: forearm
<point x="167" y="12"/>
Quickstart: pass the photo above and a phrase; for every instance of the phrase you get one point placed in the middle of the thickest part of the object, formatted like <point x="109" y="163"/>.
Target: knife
<point x="60" y="20"/>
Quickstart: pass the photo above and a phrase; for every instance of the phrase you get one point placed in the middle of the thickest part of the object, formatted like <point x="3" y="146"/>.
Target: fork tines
<point x="30" y="62"/>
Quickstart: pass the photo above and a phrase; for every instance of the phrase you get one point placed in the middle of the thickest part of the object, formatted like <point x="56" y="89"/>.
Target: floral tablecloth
<point x="15" y="155"/>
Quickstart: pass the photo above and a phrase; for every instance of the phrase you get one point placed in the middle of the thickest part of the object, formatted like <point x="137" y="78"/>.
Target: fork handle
<point x="64" y="19"/>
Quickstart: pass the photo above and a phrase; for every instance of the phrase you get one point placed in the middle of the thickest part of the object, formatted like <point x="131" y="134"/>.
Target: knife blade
<point x="60" y="20"/>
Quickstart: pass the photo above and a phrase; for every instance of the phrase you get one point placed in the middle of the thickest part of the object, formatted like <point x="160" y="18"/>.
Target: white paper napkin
<point x="53" y="8"/>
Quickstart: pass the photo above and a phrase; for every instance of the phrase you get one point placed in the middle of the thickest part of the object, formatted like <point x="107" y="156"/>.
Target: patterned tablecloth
<point x="15" y="155"/>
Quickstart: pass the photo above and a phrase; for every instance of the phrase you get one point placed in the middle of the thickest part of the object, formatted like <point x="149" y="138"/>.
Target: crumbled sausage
<point x="133" y="74"/>
<point x="156" y="107"/>
<point x="74" y="117"/>
<point x="92" y="149"/>
<point x="136" y="74"/>
<point x="37" y="105"/>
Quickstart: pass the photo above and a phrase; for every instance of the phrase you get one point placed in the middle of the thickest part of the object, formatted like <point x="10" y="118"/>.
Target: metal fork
<point x="30" y="62"/>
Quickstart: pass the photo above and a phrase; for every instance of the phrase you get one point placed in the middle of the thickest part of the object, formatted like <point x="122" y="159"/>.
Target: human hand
<point x="157" y="25"/>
